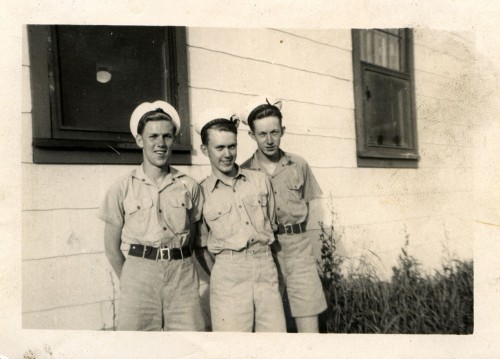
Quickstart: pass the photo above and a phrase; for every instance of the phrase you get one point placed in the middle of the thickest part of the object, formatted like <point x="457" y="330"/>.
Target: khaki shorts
<point x="299" y="275"/>
<point x="159" y="295"/>
<point x="244" y="292"/>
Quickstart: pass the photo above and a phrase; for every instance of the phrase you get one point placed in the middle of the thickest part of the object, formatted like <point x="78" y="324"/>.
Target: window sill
<point x="51" y="151"/>
<point x="387" y="163"/>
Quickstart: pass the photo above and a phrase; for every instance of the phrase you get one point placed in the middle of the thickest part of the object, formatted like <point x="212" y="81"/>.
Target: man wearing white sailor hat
<point x="294" y="187"/>
<point x="155" y="210"/>
<point x="238" y="215"/>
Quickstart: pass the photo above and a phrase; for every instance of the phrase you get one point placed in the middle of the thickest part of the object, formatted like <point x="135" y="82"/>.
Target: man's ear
<point x="252" y="135"/>
<point x="138" y="140"/>
<point x="283" y="128"/>
<point x="204" y="149"/>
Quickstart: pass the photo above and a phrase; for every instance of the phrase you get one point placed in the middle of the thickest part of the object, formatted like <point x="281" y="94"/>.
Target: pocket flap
<point x="256" y="200"/>
<point x="134" y="206"/>
<point x="294" y="185"/>
<point x="212" y="215"/>
<point x="183" y="200"/>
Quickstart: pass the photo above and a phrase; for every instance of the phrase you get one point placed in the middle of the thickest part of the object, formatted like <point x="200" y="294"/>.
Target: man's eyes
<point x="264" y="134"/>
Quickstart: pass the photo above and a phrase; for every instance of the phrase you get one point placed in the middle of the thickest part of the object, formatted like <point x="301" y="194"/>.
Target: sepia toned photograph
<point x="264" y="179"/>
<point x="371" y="228"/>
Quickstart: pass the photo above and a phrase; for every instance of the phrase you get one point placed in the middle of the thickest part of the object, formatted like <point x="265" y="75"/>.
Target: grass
<point x="409" y="303"/>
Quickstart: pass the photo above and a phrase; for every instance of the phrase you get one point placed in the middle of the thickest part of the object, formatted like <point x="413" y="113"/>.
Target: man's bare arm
<point x="112" y="242"/>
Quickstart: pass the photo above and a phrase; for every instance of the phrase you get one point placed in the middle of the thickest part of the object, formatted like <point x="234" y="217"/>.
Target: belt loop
<point x="182" y="254"/>
<point x="143" y="251"/>
<point x="158" y="253"/>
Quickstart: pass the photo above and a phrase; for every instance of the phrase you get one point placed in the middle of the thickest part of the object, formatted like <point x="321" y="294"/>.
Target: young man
<point x="237" y="228"/>
<point x="154" y="209"/>
<point x="294" y="186"/>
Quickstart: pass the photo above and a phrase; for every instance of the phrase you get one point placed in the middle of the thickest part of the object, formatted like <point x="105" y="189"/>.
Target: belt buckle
<point x="161" y="253"/>
<point x="286" y="228"/>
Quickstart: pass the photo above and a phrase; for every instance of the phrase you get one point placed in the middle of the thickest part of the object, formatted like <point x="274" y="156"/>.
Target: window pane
<point x="380" y="47"/>
<point x="105" y="71"/>
<point x="387" y="109"/>
<point x="383" y="47"/>
<point x="367" y="45"/>
<point x="393" y="62"/>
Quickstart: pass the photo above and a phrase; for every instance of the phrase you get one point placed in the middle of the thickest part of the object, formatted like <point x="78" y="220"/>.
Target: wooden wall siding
<point x="276" y="47"/>
<point x="67" y="280"/>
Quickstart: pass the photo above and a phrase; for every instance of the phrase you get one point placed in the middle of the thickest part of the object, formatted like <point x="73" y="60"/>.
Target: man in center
<point x="237" y="229"/>
<point x="294" y="187"/>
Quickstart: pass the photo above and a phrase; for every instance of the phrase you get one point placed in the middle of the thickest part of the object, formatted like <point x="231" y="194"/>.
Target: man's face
<point x="267" y="133"/>
<point x="221" y="150"/>
<point x="156" y="142"/>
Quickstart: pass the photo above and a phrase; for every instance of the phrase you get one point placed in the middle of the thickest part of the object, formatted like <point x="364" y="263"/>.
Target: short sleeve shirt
<point x="294" y="186"/>
<point x="153" y="215"/>
<point x="237" y="214"/>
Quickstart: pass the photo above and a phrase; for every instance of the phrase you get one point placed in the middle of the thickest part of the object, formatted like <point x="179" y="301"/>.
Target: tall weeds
<point x="410" y="303"/>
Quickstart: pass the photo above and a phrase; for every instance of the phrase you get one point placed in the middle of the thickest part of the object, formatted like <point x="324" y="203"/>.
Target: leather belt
<point x="138" y="250"/>
<point x="291" y="228"/>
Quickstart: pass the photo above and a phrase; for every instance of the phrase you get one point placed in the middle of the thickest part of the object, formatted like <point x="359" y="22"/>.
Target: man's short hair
<point x="219" y="124"/>
<point x="157" y="115"/>
<point x="263" y="111"/>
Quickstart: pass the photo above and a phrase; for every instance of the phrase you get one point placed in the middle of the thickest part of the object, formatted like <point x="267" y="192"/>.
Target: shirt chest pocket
<point x="217" y="213"/>
<point x="220" y="220"/>
<point x="137" y="207"/>
<point x="176" y="211"/>
<point x="138" y="214"/>
<point x="256" y="207"/>
<point x="256" y="200"/>
<point x="294" y="188"/>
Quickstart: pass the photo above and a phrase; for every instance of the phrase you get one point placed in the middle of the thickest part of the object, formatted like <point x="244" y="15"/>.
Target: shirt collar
<point x="285" y="160"/>
<point x="212" y="180"/>
<point x="141" y="175"/>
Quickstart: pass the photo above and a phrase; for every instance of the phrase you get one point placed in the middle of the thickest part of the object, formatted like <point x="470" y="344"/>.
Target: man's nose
<point x="269" y="138"/>
<point x="226" y="152"/>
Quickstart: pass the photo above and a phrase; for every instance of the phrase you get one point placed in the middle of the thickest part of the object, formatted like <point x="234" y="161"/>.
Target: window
<point x="384" y="98"/>
<point x="87" y="80"/>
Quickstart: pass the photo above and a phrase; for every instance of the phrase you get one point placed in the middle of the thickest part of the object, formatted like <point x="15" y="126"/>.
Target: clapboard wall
<point x="67" y="282"/>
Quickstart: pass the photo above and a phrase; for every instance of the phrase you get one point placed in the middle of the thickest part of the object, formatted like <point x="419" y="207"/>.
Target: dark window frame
<point x="50" y="145"/>
<point x="378" y="156"/>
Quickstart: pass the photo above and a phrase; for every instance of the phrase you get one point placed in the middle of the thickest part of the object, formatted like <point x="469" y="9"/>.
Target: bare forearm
<point x="112" y="243"/>
<point x="205" y="259"/>
<point x="116" y="259"/>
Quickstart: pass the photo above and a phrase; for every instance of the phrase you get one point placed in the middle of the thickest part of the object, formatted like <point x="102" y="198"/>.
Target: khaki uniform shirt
<point x="237" y="214"/>
<point x="294" y="186"/>
<point x="153" y="215"/>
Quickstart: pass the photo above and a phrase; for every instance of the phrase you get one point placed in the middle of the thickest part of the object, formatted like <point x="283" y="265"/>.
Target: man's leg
<point x="231" y="298"/>
<point x="304" y="288"/>
<point x="182" y="309"/>
<point x="279" y="259"/>
<point x="307" y="324"/>
<point x="139" y="307"/>
<point x="269" y="314"/>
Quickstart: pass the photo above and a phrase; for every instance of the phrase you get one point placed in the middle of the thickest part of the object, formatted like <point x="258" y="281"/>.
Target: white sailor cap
<point x="216" y="115"/>
<point x="257" y="104"/>
<point x="157" y="106"/>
